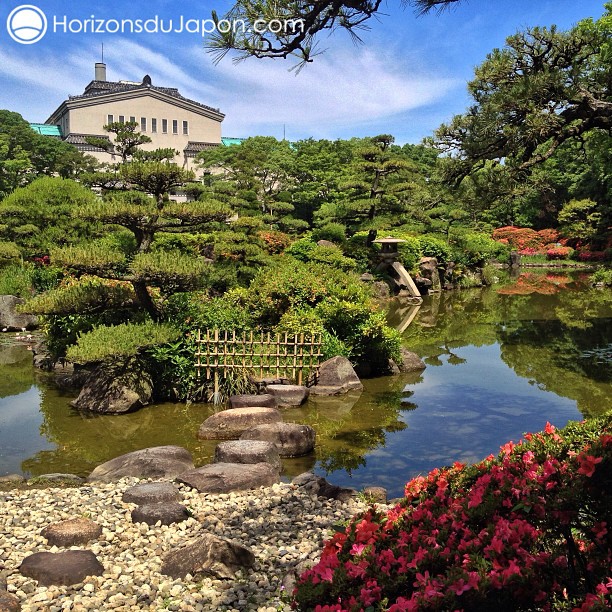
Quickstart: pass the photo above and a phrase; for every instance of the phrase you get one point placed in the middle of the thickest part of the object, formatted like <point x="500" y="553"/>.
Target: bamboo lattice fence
<point x="281" y="355"/>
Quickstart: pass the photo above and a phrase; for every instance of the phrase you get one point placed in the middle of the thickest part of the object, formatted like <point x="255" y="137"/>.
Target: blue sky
<point x="407" y="78"/>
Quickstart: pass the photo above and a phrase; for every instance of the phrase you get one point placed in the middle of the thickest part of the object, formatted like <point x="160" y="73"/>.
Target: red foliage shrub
<point x="559" y="253"/>
<point x="275" y="242"/>
<point x="591" y="255"/>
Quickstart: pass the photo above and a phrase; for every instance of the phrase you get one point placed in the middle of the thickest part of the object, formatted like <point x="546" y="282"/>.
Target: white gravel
<point x="282" y="525"/>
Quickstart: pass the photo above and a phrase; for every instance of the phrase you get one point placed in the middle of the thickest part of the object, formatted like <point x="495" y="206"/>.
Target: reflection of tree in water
<point x="560" y="340"/>
<point x="346" y="436"/>
<point x="17" y="372"/>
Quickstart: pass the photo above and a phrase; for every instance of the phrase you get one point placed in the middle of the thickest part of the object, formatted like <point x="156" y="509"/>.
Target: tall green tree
<point x="26" y="155"/>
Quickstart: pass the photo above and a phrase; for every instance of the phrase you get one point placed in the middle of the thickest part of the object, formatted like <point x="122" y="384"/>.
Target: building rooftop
<point x="47" y="130"/>
<point x="99" y="88"/>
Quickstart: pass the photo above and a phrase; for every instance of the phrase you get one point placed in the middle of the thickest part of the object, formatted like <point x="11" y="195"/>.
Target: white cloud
<point x="359" y="86"/>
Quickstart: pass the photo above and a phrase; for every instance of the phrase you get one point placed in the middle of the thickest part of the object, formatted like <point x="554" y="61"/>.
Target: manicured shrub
<point x="334" y="232"/>
<point x="559" y="253"/>
<point x="435" y="247"/>
<point x="519" y="237"/>
<point x="474" y="249"/>
<point x="585" y="255"/>
<point x="526" y="530"/>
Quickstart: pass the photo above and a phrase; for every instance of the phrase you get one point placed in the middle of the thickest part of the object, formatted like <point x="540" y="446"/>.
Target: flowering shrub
<point x="592" y="255"/>
<point x="519" y="237"/>
<point x="526" y="530"/>
<point x="559" y="253"/>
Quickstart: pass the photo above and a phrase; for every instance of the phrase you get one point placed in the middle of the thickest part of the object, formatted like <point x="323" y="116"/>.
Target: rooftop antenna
<point x="284" y="125"/>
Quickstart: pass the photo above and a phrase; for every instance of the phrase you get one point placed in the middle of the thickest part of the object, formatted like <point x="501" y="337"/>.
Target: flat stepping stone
<point x="166" y="513"/>
<point x="73" y="532"/>
<point x="152" y="493"/>
<point x="229" y="424"/>
<point x="156" y="462"/>
<point x="209" y="554"/>
<point x="248" y="451"/>
<point x="63" y="568"/>
<point x="227" y="477"/>
<point x="291" y="439"/>
<point x="288" y="395"/>
<point x="264" y="400"/>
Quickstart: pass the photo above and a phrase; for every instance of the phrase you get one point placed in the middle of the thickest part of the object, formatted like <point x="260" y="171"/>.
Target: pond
<point x="500" y="362"/>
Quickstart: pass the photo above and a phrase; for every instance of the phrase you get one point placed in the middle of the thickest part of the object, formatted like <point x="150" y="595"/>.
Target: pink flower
<point x="587" y="464"/>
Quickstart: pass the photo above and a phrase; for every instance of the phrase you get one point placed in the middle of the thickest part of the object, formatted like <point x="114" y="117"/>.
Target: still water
<point x="500" y="362"/>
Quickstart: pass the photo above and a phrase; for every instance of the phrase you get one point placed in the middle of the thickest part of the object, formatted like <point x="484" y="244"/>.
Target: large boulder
<point x="229" y="424"/>
<point x="336" y="376"/>
<point x="227" y="477"/>
<point x="155" y="462"/>
<point x="264" y="400"/>
<point x="428" y="269"/>
<point x="248" y="451"/>
<point x="291" y="439"/>
<point x="411" y="362"/>
<point x="73" y="532"/>
<point x="10" y="319"/>
<point x="210" y="555"/>
<point x="67" y="567"/>
<point x="288" y="395"/>
<point x="107" y="392"/>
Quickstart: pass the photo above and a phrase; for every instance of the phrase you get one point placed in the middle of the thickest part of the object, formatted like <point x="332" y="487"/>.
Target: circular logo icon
<point x="26" y="24"/>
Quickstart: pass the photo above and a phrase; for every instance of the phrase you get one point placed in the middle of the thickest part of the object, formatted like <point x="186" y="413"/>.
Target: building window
<point x="154" y="126"/>
<point x="185" y="128"/>
<point x="121" y="119"/>
<point x="133" y="119"/>
<point x="110" y="119"/>
<point x="165" y="126"/>
<point x="143" y="124"/>
<point x="175" y="126"/>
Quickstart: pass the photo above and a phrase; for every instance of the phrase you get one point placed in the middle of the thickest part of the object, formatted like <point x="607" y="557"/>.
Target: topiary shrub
<point x="435" y="247"/>
<point x="526" y="530"/>
<point x="334" y="232"/>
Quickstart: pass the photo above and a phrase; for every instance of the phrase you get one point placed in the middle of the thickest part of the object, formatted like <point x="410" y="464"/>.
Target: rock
<point x="291" y="439"/>
<point x="393" y="369"/>
<point x="11" y="319"/>
<point x="58" y="478"/>
<point x="411" y="362"/>
<point x="166" y="513"/>
<point x="264" y="400"/>
<point x="9" y="478"/>
<point x="326" y="243"/>
<point x="152" y="493"/>
<point x="229" y="424"/>
<point x="288" y="395"/>
<point x="108" y="393"/>
<point x="226" y="477"/>
<point x="248" y="451"/>
<point x="155" y="462"/>
<point x="428" y="269"/>
<point x="73" y="532"/>
<point x="316" y="485"/>
<point x="209" y="554"/>
<point x="67" y="567"/>
<point x="423" y="284"/>
<point x="367" y="277"/>
<point x="375" y="495"/>
<point x="336" y="375"/>
<point x="381" y="290"/>
<point x="8" y="602"/>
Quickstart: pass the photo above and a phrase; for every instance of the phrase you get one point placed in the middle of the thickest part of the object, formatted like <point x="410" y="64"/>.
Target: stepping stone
<point x="227" y="477"/>
<point x="248" y="451"/>
<point x="155" y="462"/>
<point x="251" y="401"/>
<point x="152" y="493"/>
<point x="291" y="439"/>
<point x="210" y="555"/>
<point x="288" y="395"/>
<point x="229" y="424"/>
<point x="73" y="532"/>
<point x="165" y="512"/>
<point x="67" y="567"/>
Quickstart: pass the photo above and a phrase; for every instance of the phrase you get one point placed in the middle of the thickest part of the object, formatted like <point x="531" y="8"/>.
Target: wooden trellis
<point x="281" y="355"/>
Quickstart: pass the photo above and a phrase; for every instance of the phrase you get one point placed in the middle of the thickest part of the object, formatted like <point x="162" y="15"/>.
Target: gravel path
<point x="282" y="525"/>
